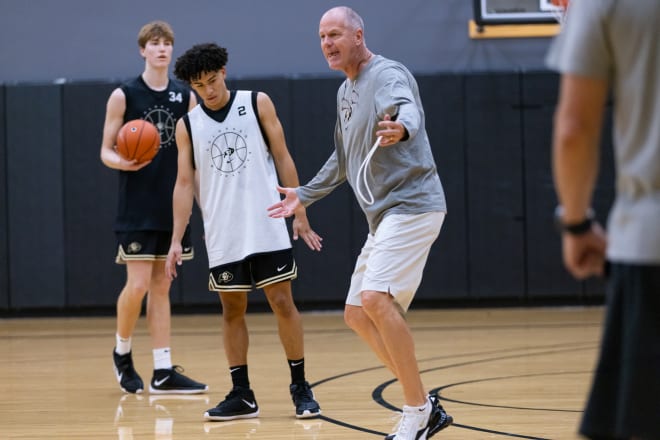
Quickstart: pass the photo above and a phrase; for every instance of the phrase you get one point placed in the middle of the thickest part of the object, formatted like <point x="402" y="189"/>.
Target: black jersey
<point x="145" y="196"/>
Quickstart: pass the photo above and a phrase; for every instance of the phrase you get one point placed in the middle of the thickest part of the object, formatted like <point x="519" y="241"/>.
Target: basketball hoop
<point x="559" y="9"/>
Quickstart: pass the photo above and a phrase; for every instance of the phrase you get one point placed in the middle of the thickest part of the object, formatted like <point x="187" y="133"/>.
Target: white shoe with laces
<point x="414" y="423"/>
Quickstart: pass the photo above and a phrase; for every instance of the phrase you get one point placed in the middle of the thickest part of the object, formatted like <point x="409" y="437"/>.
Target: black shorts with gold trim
<point x="149" y="246"/>
<point x="259" y="269"/>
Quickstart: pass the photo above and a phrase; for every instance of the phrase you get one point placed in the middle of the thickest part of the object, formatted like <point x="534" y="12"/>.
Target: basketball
<point x="138" y="140"/>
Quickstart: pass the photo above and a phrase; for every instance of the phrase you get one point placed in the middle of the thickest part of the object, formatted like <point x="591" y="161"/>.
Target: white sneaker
<point x="414" y="423"/>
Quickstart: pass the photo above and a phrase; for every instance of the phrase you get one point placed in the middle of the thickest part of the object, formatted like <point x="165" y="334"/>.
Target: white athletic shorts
<point x="392" y="260"/>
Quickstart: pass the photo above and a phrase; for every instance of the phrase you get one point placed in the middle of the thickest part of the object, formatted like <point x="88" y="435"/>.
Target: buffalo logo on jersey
<point x="229" y="151"/>
<point x="225" y="277"/>
<point x="134" y="248"/>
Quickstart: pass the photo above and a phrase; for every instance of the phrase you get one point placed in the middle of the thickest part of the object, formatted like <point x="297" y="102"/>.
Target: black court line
<point x="464" y="402"/>
<point x="352" y="427"/>
<point x="378" y="391"/>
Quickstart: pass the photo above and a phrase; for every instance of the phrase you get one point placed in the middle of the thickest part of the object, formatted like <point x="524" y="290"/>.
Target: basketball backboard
<point x="489" y="12"/>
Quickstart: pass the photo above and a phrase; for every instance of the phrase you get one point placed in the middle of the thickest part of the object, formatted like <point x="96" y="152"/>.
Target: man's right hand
<point x="286" y="207"/>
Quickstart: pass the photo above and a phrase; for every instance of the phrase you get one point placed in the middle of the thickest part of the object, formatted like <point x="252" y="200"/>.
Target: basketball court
<point x="501" y="373"/>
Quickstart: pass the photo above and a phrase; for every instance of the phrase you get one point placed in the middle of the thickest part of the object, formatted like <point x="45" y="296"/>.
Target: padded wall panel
<point x="194" y="274"/>
<point x="494" y="178"/>
<point x="546" y="276"/>
<point x="35" y="195"/>
<point x="90" y="199"/>
<point x="323" y="277"/>
<point x="4" y="257"/>
<point x="445" y="276"/>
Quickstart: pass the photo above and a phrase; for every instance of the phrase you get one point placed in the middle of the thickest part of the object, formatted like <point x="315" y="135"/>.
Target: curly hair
<point x="199" y="59"/>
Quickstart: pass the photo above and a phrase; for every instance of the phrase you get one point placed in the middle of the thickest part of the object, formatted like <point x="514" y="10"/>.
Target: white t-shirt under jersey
<point x="237" y="182"/>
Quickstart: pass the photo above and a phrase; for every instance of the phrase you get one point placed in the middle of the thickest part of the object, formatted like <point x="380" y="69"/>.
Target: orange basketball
<point x="138" y="139"/>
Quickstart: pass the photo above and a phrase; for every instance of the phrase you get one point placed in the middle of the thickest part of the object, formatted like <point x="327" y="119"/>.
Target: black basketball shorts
<point x="149" y="246"/>
<point x="260" y="270"/>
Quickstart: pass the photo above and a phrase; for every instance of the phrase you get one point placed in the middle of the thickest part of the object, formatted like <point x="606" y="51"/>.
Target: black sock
<point x="239" y="376"/>
<point x="297" y="368"/>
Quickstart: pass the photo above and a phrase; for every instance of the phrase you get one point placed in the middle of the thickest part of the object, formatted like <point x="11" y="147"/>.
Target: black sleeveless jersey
<point x="145" y="196"/>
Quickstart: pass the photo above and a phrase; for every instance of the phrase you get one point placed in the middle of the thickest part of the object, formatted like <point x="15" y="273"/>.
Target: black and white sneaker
<point x="412" y="425"/>
<point x="171" y="381"/>
<point x="439" y="419"/>
<point x="238" y="404"/>
<point x="129" y="380"/>
<point x="303" y="399"/>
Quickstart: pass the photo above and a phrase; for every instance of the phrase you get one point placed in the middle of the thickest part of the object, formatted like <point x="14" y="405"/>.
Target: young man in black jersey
<point x="235" y="144"/>
<point x="144" y="220"/>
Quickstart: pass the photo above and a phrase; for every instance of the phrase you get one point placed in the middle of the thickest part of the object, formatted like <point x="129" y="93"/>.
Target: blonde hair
<point x="155" y="29"/>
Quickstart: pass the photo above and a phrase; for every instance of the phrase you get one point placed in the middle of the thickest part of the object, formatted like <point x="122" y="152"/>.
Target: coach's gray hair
<point x="353" y="20"/>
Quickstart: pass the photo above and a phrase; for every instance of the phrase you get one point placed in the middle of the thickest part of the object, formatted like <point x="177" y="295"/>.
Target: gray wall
<point x="43" y="40"/>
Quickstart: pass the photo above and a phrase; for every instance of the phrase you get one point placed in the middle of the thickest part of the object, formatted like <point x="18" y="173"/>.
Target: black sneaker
<point x="129" y="380"/>
<point x="238" y="404"/>
<point x="439" y="419"/>
<point x="171" y="381"/>
<point x="303" y="399"/>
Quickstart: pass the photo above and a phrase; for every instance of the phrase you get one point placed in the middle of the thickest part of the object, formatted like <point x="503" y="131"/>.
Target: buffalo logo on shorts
<point x="225" y="277"/>
<point x="134" y="247"/>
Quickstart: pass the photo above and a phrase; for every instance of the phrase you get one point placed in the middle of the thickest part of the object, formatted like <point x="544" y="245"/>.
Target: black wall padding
<point x="193" y="275"/>
<point x="446" y="272"/>
<point x="495" y="211"/>
<point x="90" y="199"/>
<point x="546" y="276"/>
<point x="322" y="276"/>
<point x="490" y="134"/>
<point x="4" y="257"/>
<point x="35" y="195"/>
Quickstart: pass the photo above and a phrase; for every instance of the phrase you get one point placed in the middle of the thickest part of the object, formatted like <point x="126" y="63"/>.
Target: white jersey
<point x="237" y="181"/>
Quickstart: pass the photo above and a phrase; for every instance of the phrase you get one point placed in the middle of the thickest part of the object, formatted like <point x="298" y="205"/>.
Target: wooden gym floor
<point x="501" y="373"/>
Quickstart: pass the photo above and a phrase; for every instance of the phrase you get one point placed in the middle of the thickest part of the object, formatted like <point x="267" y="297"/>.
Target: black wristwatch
<point x="578" y="228"/>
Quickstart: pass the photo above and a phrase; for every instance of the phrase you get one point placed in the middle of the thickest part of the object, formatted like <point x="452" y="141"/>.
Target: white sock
<point x="162" y="359"/>
<point x="123" y="345"/>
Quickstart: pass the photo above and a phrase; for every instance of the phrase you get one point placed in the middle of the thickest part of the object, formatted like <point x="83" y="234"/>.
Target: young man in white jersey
<point x="144" y="223"/>
<point x="235" y="144"/>
<point x="380" y="99"/>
